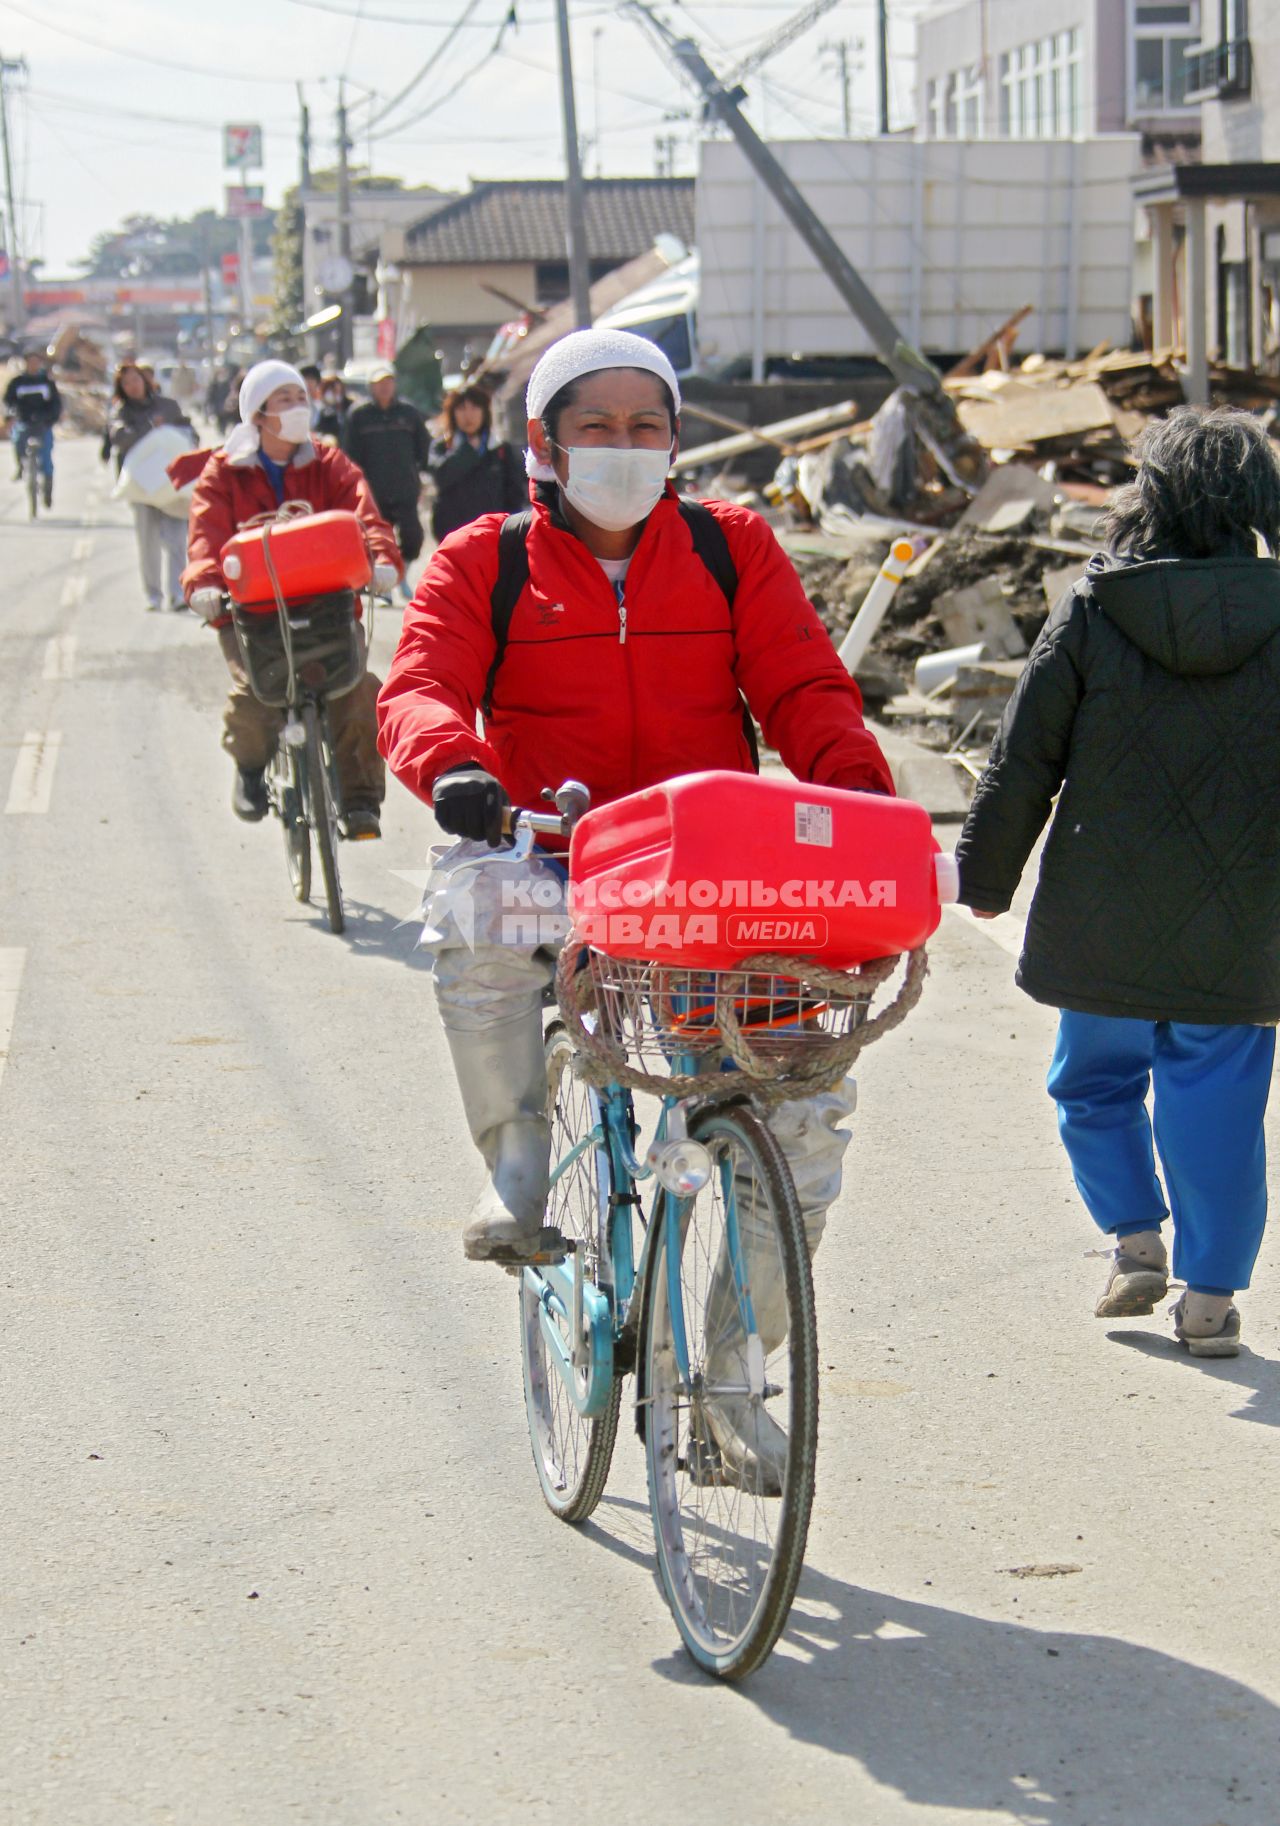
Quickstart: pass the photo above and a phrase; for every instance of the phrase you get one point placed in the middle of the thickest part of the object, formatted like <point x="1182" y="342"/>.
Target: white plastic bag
<point x="143" y="475"/>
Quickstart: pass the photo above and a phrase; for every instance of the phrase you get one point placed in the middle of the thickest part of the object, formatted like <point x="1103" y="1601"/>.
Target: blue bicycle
<point x="684" y="1262"/>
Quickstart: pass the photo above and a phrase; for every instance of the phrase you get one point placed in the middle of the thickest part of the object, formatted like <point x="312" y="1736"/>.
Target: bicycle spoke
<point x="571" y="1452"/>
<point x="729" y="1552"/>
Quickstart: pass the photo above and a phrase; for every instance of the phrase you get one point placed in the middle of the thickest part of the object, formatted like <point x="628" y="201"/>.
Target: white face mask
<point x="295" y="424"/>
<point x="615" y="489"/>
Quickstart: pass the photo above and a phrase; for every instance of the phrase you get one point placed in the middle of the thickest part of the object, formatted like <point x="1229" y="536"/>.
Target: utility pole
<point x="839" y="49"/>
<point x="12" y="67"/>
<point x="574" y="199"/>
<point x="664" y="155"/>
<point x="304" y="141"/>
<point x="963" y="459"/>
<point x="207" y="289"/>
<point x="882" y="62"/>
<point x="344" y="225"/>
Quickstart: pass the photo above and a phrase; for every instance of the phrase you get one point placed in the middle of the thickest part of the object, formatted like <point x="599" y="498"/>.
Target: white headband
<point x="589" y="352"/>
<point x="255" y="390"/>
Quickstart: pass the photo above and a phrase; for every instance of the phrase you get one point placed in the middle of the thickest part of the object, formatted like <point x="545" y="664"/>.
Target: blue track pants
<point x="1209" y="1093"/>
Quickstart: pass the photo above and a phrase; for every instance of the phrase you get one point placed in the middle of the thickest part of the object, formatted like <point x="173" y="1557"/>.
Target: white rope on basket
<point x="770" y="1081"/>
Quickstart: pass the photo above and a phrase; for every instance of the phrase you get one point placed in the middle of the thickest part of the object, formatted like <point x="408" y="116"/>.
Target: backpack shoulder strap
<point x="711" y="546"/>
<point x="513" y="574"/>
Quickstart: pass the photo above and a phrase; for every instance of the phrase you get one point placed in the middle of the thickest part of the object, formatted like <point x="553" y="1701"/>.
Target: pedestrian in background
<point x="137" y="407"/>
<point x="474" y="472"/>
<point x="335" y="404"/>
<point x="315" y="393"/>
<point x="1151" y="703"/>
<point x="387" y="439"/>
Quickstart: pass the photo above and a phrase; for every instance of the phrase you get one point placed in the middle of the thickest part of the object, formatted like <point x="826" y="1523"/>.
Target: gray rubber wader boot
<point x="752" y="1445"/>
<point x="491" y="1007"/>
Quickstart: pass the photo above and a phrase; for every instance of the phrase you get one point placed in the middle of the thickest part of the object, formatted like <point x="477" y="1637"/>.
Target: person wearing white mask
<point x="269" y="459"/>
<point x="614" y="643"/>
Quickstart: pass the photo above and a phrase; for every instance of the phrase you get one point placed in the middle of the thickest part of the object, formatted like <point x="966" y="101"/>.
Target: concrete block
<point x="980" y="614"/>
<point x="1012" y="498"/>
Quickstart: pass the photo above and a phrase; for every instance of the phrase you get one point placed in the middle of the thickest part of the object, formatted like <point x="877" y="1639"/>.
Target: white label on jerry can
<point x="813" y="825"/>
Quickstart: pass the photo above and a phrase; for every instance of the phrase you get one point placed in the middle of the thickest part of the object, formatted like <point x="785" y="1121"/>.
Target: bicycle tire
<point x="705" y="1559"/>
<point x="322" y="814"/>
<point x="289" y="796"/>
<point x="33" y="480"/>
<point x="571" y="1455"/>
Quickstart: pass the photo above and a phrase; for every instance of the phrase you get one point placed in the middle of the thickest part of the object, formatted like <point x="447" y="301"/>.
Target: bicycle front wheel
<point x="571" y="1454"/>
<point x="731" y="1397"/>
<point x="289" y="797"/>
<point x="323" y="812"/>
<point x="33" y="480"/>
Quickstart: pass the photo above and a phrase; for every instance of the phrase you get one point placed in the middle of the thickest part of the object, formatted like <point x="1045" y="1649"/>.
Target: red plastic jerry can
<point x="709" y="868"/>
<point x="313" y="555"/>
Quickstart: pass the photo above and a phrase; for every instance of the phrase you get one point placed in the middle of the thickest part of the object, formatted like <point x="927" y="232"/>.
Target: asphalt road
<point x="272" y="1544"/>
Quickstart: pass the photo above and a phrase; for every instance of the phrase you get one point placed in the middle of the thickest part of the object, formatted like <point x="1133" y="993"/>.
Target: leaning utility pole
<point x="344" y="226"/>
<point x="12" y="67"/>
<point x="962" y="458"/>
<point x="574" y="199"/>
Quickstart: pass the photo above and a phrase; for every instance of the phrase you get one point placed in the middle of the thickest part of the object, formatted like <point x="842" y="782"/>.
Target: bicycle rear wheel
<point x="322" y="811"/>
<point x="289" y="796"/>
<point x="730" y="1524"/>
<point x="571" y="1454"/>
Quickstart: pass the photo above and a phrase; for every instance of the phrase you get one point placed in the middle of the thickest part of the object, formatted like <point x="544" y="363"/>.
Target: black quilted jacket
<point x="1151" y="701"/>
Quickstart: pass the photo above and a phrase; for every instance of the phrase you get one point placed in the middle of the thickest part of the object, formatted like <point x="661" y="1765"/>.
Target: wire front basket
<point x="791" y="1027"/>
<point x="656" y="1011"/>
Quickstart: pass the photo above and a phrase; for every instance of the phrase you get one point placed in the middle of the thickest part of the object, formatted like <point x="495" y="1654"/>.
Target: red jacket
<point x="229" y="493"/>
<point x="575" y="700"/>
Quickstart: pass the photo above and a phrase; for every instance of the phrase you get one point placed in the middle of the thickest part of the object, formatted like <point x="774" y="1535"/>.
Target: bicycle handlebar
<point x="571" y="801"/>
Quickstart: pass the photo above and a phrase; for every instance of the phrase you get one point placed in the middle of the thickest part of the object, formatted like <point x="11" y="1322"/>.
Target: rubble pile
<point x="989" y="566"/>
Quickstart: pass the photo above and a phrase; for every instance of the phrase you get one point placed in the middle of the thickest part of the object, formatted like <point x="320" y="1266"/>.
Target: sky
<point x="120" y="107"/>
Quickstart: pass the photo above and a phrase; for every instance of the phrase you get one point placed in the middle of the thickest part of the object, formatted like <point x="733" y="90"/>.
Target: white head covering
<point x="588" y="352"/>
<point x="255" y="390"/>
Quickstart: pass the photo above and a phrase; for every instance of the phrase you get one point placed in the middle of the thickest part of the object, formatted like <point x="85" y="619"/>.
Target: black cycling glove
<point x="468" y="802"/>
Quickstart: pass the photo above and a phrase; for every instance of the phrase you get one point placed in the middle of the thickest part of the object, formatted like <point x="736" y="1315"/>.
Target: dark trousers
<point x="251" y="729"/>
<point x="403" y="515"/>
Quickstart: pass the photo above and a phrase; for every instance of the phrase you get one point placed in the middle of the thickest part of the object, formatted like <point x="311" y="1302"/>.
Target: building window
<point x="968" y="94"/>
<point x="1163" y="31"/>
<point x="953" y="104"/>
<point x="1040" y="88"/>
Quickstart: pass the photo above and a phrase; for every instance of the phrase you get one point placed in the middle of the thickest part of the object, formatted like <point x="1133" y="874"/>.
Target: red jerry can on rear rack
<point x="707" y="869"/>
<point x="312" y="554"/>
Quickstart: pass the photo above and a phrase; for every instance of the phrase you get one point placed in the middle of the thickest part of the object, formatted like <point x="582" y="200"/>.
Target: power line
<point x="357" y="22"/>
<point x="163" y="63"/>
<point x="427" y="67"/>
<point x="78" y="104"/>
<point x="395" y="130"/>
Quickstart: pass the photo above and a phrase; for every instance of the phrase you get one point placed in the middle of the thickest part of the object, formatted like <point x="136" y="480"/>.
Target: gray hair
<point x="1208" y="483"/>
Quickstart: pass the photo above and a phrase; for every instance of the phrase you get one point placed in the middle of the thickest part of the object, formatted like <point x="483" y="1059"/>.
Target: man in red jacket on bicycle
<point x="626" y="662"/>
<point x="269" y="459"/>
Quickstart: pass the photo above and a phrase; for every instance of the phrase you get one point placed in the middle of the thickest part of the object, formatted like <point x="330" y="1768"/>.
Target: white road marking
<point x="1004" y="930"/>
<point x="11" y="962"/>
<point x="60" y="657"/>
<point x="32" y="783"/>
<point x="82" y="550"/>
<point x="74" y="590"/>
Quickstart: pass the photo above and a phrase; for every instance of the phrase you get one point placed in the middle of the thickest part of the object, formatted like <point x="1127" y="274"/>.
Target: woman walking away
<point x="137" y="407"/>
<point x="1151" y="701"/>
<point x="474" y="472"/>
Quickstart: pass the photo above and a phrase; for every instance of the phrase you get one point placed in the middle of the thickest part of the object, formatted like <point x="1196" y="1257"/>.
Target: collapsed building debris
<point x="989" y="564"/>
